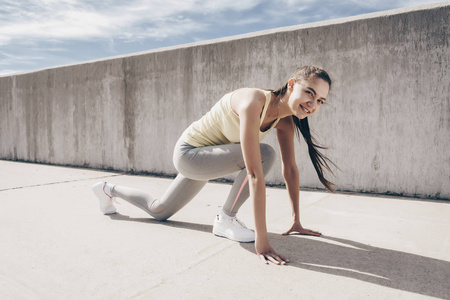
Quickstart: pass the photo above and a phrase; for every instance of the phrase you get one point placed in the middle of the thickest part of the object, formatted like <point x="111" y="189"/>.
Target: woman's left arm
<point x="285" y="134"/>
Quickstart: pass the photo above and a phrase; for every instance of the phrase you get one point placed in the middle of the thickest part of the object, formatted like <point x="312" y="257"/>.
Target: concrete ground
<point x="55" y="244"/>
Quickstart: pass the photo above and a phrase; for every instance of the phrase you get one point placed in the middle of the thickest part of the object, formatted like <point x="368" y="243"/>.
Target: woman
<point x="226" y="140"/>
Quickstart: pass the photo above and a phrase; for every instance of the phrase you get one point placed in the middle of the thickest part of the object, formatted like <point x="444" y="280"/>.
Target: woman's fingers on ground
<point x="263" y="258"/>
<point x="273" y="258"/>
<point x="303" y="232"/>
<point x="313" y="232"/>
<point x="284" y="258"/>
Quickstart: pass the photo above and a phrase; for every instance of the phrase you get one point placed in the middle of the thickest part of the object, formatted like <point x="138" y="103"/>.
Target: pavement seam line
<point x="58" y="182"/>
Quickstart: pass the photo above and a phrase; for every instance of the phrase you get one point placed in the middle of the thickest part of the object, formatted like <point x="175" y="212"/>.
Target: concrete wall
<point x="387" y="124"/>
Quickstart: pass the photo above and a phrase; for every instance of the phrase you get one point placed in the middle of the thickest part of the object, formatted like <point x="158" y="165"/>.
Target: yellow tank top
<point x="221" y="125"/>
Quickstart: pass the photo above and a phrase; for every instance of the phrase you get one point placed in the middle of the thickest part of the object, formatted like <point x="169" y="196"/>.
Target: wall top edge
<point x="338" y="21"/>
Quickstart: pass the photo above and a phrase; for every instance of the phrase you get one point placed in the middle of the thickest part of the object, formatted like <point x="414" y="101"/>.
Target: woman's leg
<point x="196" y="167"/>
<point x="217" y="161"/>
<point x="180" y="192"/>
<point x="240" y="191"/>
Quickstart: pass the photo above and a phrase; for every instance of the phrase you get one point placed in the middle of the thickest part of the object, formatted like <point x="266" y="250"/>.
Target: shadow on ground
<point x="341" y="257"/>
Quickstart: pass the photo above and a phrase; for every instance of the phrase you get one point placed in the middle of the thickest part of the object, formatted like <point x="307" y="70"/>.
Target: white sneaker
<point x="101" y="190"/>
<point x="233" y="229"/>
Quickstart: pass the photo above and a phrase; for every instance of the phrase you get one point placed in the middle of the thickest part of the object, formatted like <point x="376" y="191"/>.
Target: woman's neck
<point x="281" y="102"/>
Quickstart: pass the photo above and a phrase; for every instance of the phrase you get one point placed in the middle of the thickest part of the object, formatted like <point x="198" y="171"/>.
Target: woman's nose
<point x="312" y="104"/>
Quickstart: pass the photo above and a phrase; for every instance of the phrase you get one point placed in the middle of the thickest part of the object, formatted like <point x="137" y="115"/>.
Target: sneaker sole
<point x="109" y="212"/>
<point x="220" y="234"/>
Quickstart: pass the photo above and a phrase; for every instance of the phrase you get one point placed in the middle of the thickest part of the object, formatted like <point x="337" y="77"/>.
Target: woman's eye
<point x="320" y="101"/>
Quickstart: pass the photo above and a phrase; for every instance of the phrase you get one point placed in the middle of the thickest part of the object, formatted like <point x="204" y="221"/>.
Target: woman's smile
<point x="304" y="109"/>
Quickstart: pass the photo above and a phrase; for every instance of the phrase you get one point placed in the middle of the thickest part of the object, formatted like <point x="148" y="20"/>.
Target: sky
<point x="38" y="34"/>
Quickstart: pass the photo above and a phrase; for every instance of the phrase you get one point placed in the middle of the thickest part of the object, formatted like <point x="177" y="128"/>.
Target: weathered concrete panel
<point x="387" y="122"/>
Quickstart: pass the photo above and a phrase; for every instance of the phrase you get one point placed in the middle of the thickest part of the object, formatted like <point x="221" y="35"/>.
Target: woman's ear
<point x="291" y="83"/>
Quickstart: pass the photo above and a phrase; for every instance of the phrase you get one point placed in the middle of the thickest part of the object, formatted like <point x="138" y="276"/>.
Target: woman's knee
<point x="268" y="156"/>
<point x="267" y="152"/>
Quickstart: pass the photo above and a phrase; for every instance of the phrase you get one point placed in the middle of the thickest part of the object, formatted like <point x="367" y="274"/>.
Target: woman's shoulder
<point x="251" y="90"/>
<point x="247" y="99"/>
<point x="250" y="95"/>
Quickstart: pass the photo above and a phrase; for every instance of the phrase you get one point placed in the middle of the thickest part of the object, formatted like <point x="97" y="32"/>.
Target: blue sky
<point x="37" y="34"/>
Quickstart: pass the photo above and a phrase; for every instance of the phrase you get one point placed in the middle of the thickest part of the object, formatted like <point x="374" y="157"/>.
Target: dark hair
<point x="319" y="160"/>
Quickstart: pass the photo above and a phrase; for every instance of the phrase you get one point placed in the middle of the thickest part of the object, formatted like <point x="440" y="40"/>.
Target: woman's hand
<point x="266" y="253"/>
<point x="297" y="228"/>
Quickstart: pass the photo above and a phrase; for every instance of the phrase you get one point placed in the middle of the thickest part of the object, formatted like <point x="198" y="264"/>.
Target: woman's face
<point x="307" y="96"/>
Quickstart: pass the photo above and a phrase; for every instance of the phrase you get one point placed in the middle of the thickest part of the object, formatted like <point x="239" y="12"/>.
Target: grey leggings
<point x="197" y="165"/>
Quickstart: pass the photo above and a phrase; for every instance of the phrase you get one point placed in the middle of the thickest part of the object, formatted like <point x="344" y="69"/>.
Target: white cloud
<point x="68" y="20"/>
<point x="48" y="49"/>
<point x="18" y="57"/>
<point x="7" y="65"/>
<point x="83" y="20"/>
<point x="236" y="5"/>
<point x="8" y="72"/>
<point x="163" y="28"/>
<point x="293" y="3"/>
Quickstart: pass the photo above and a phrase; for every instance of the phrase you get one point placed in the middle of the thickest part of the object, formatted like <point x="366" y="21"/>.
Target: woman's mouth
<point x="305" y="110"/>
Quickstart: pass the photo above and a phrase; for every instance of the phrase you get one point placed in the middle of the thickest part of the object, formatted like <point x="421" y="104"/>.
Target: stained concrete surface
<point x="57" y="245"/>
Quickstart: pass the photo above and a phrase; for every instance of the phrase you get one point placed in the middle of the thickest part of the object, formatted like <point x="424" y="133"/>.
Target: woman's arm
<point x="248" y="104"/>
<point x="285" y="134"/>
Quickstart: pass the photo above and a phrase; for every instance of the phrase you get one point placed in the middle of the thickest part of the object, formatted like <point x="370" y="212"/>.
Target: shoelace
<point x="239" y="222"/>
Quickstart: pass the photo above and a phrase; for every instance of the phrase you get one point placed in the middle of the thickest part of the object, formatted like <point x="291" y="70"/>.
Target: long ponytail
<point x="319" y="160"/>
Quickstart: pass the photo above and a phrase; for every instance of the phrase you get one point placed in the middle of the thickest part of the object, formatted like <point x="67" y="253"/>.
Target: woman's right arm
<point x="248" y="105"/>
